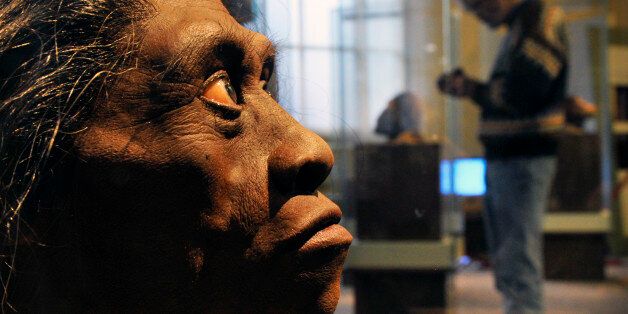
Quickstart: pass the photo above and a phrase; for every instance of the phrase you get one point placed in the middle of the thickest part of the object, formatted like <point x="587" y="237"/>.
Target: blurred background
<point x="415" y="209"/>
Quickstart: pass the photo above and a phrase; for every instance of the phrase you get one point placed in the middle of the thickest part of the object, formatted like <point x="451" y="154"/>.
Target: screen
<point x="467" y="175"/>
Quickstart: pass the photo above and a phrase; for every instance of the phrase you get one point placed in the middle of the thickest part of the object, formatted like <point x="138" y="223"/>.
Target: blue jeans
<point x="516" y="197"/>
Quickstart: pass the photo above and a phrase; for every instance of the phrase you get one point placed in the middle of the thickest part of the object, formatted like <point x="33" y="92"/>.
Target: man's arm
<point x="534" y="68"/>
<point x="525" y="88"/>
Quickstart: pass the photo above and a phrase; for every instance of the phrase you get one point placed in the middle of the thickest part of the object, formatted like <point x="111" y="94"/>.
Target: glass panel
<point x="288" y="74"/>
<point x="342" y="64"/>
<point x="345" y="29"/>
<point x="281" y="20"/>
<point x="318" y="26"/>
<point x="385" y="33"/>
<point x="318" y="91"/>
<point x="386" y="81"/>
<point x="586" y="28"/>
<point x="384" y="6"/>
<point x="347" y="79"/>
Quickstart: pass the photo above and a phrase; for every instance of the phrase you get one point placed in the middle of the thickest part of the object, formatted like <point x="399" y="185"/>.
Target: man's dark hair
<point x="55" y="58"/>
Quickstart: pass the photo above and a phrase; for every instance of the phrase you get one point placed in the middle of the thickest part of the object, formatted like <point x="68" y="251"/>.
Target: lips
<point x="305" y="225"/>
<point x="319" y="232"/>
<point x="332" y="237"/>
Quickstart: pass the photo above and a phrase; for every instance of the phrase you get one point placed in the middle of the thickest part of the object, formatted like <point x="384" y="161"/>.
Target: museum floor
<point x="473" y="293"/>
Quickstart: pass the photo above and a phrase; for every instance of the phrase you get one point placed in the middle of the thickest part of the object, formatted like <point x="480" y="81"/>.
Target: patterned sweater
<point x="520" y="103"/>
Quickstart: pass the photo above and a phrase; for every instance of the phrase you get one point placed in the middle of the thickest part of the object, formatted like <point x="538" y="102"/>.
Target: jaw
<point x="279" y="284"/>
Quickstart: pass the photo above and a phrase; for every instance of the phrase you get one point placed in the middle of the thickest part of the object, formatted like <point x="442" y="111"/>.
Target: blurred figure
<point x="401" y="120"/>
<point x="521" y="112"/>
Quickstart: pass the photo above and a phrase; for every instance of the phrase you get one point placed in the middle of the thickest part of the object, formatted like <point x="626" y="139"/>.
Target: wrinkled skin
<point x="183" y="204"/>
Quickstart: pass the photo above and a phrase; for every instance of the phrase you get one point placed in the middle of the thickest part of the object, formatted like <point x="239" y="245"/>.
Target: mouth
<point x="316" y="232"/>
<point x="326" y="236"/>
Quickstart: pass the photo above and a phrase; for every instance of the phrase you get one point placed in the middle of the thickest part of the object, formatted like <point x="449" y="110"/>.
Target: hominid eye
<point x="218" y="89"/>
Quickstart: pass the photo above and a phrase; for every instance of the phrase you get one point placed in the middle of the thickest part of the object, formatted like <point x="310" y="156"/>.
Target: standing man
<point x="521" y="113"/>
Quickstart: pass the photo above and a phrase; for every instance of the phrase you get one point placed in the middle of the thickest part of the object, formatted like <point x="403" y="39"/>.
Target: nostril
<point x="299" y="166"/>
<point x="310" y="177"/>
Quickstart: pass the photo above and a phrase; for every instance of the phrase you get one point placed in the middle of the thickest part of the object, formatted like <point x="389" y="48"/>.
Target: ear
<point x="242" y="10"/>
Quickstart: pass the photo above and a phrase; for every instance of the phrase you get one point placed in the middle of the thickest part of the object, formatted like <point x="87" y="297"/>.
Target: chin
<point x="326" y="283"/>
<point x="313" y="289"/>
<point x="284" y="283"/>
<point x="328" y="298"/>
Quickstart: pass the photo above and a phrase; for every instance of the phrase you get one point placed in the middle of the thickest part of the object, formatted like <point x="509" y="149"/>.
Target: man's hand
<point x="456" y="84"/>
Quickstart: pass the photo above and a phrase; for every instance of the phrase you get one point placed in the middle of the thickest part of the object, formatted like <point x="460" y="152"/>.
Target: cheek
<point x="240" y="189"/>
<point x="206" y="194"/>
<point x="124" y="178"/>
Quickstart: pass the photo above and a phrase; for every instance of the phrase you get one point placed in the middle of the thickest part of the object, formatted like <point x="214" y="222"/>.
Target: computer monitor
<point x="467" y="175"/>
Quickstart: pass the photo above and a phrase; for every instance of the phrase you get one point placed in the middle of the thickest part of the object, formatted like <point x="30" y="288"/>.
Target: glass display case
<point x="341" y="64"/>
<point x="410" y="205"/>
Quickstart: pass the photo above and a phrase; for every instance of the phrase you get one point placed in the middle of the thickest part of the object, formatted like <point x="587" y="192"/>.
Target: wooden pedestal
<point x="574" y="256"/>
<point x="399" y="291"/>
<point x="398" y="192"/>
<point x="577" y="182"/>
<point x="401" y="263"/>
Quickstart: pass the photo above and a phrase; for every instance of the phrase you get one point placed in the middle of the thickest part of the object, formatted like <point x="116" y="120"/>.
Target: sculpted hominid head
<point x="145" y="166"/>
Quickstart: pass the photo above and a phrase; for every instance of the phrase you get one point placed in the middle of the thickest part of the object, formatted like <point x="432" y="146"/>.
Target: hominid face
<point x="194" y="189"/>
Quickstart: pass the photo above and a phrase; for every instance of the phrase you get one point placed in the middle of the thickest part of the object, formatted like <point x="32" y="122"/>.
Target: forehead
<point x="191" y="9"/>
<point x="180" y="13"/>
<point x="185" y="27"/>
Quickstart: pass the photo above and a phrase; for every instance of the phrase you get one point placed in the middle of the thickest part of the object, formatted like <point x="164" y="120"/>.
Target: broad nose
<point x="301" y="163"/>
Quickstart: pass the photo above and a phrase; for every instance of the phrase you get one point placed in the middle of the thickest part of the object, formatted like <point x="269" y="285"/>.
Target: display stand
<point x="575" y="245"/>
<point x="404" y="276"/>
<point x="400" y="262"/>
<point x="575" y="229"/>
